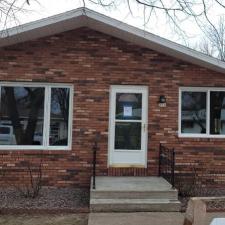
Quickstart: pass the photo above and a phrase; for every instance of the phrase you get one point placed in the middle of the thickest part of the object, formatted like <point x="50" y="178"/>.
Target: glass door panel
<point x="128" y="121"/>
<point x="128" y="135"/>
<point x="128" y="106"/>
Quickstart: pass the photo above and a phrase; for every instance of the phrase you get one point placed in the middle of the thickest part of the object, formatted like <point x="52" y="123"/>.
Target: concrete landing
<point x="133" y="194"/>
<point x="132" y="184"/>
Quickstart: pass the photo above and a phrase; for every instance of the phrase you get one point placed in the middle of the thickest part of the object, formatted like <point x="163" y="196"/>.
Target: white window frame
<point x="207" y="90"/>
<point x="46" y="126"/>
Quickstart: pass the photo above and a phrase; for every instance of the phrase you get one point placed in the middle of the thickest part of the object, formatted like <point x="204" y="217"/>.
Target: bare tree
<point x="205" y="47"/>
<point x="213" y="42"/>
<point x="9" y="10"/>
<point x="175" y="11"/>
<point x="216" y="37"/>
<point x="30" y="173"/>
<point x="61" y="96"/>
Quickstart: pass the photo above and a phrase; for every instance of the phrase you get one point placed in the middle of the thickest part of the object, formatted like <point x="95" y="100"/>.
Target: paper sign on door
<point x="127" y="111"/>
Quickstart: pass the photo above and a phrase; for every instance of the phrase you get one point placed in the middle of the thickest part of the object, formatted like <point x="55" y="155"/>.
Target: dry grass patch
<point x="51" y="219"/>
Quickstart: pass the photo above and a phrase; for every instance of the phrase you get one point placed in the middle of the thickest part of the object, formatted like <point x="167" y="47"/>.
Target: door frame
<point x="111" y="130"/>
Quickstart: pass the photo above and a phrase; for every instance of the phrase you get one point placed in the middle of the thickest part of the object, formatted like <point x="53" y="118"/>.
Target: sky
<point x="158" y="25"/>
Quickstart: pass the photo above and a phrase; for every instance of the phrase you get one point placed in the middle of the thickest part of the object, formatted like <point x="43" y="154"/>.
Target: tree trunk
<point x="37" y="98"/>
<point x="13" y="113"/>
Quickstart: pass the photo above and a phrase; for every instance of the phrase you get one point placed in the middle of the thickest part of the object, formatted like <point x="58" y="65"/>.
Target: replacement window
<point x="35" y="116"/>
<point x="202" y="112"/>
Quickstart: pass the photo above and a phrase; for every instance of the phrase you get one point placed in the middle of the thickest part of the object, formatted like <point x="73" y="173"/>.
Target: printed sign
<point x="127" y="111"/>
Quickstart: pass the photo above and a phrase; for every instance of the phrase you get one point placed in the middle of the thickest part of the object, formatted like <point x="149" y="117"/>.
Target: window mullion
<point x="208" y="113"/>
<point x="46" y="116"/>
<point x="179" y="111"/>
<point x="0" y="96"/>
<point x="70" y="116"/>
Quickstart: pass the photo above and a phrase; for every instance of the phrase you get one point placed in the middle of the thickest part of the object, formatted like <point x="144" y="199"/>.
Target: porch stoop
<point x="133" y="194"/>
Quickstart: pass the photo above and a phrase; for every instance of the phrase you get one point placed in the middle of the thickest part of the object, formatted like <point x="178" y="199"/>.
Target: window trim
<point x="46" y="127"/>
<point x="199" y="89"/>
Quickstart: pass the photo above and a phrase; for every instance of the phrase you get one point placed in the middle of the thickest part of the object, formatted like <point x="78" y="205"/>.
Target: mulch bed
<point x="49" y="200"/>
<point x="212" y="205"/>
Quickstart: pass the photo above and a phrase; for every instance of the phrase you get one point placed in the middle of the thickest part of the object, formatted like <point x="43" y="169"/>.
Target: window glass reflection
<point x="128" y="106"/>
<point x="21" y="115"/>
<point x="128" y="135"/>
<point x="59" y="116"/>
<point x="193" y="112"/>
<point x="217" y="112"/>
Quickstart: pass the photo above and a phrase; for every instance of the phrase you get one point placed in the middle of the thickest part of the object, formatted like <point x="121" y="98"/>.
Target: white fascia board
<point x="84" y="17"/>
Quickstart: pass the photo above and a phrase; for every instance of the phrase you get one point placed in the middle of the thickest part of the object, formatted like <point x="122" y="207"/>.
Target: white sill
<point x="31" y="147"/>
<point x="201" y="136"/>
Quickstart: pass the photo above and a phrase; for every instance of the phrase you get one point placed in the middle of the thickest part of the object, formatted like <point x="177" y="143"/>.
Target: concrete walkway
<point x="143" y="218"/>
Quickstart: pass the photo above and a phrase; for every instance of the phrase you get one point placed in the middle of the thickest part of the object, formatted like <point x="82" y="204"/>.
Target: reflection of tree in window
<point x="128" y="135"/>
<point x="22" y="109"/>
<point x="217" y="111"/>
<point x="193" y="112"/>
<point x="59" y="116"/>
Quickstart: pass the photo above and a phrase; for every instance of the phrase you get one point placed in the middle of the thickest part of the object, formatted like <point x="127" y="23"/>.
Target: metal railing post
<point x="159" y="169"/>
<point x="167" y="164"/>
<point x="94" y="163"/>
<point x="173" y="168"/>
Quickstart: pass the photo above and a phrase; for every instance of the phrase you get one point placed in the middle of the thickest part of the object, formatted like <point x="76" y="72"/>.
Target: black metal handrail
<point x="167" y="164"/>
<point x="94" y="148"/>
<point x="94" y="164"/>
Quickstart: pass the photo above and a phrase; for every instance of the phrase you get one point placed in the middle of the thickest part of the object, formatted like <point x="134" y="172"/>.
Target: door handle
<point x="144" y="127"/>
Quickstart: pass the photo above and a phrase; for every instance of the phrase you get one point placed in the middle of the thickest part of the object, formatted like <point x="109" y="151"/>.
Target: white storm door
<point x="128" y="126"/>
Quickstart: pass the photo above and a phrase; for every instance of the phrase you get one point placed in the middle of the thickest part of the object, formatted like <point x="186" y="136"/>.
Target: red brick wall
<point x="92" y="61"/>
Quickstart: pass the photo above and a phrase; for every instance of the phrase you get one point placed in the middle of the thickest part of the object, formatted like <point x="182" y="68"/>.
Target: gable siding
<point x="93" y="61"/>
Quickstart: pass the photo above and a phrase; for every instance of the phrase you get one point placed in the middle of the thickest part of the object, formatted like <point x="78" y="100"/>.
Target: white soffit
<point x="87" y="18"/>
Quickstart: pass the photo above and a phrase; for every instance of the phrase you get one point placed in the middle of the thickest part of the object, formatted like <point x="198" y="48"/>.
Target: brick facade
<point x="93" y="61"/>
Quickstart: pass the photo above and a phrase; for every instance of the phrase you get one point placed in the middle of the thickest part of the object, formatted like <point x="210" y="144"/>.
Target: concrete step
<point x="133" y="194"/>
<point x="134" y="205"/>
<point x="171" y="194"/>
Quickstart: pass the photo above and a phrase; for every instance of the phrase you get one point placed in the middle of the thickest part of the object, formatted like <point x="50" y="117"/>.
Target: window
<point x="35" y="116"/>
<point x="202" y="112"/>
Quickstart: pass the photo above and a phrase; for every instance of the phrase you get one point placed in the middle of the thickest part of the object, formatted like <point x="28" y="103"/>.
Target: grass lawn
<point x="50" y="219"/>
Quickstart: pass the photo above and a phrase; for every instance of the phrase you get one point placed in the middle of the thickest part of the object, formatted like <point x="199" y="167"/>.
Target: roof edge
<point x="42" y="22"/>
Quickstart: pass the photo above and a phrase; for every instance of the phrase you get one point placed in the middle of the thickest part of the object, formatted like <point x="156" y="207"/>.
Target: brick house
<point x="66" y="78"/>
